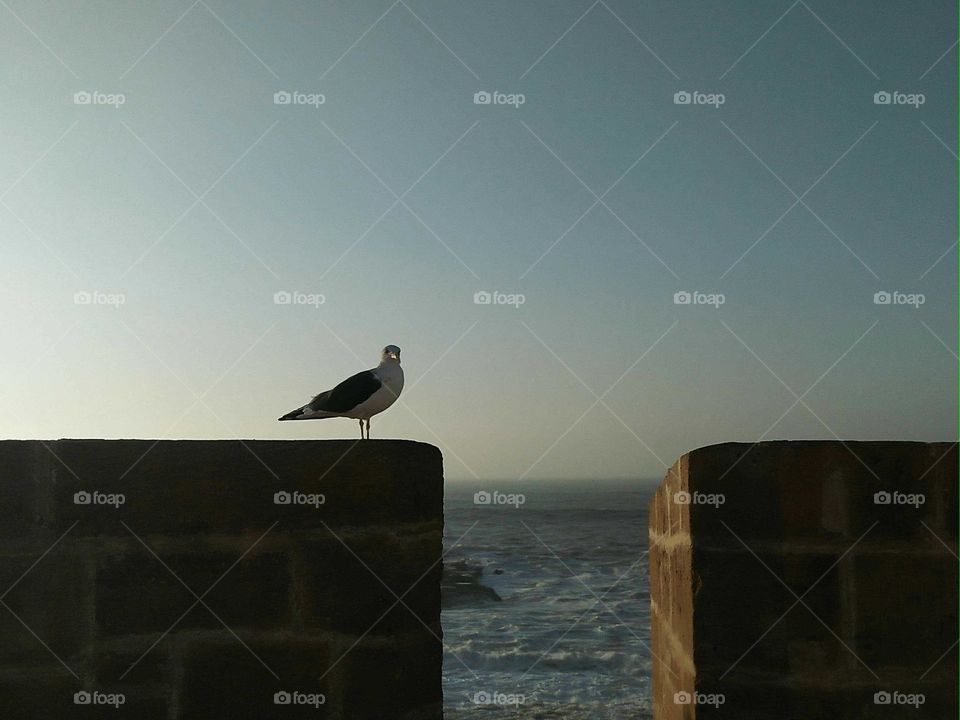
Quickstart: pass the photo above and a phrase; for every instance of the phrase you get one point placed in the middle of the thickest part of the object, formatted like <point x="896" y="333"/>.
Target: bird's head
<point x="391" y="353"/>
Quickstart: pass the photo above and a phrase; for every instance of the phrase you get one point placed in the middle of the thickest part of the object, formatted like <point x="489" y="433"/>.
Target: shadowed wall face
<point x="806" y="580"/>
<point x="220" y="579"/>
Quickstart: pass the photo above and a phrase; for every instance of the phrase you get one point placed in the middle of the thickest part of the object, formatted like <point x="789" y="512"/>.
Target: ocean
<point x="546" y="608"/>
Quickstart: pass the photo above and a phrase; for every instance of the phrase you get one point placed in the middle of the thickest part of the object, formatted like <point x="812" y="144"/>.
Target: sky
<point x="186" y="255"/>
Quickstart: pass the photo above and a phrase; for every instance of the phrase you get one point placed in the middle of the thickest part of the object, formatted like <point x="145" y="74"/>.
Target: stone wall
<point x="804" y="580"/>
<point x="198" y="595"/>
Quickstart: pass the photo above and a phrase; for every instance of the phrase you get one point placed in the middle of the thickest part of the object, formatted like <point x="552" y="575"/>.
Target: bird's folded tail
<point x="297" y="414"/>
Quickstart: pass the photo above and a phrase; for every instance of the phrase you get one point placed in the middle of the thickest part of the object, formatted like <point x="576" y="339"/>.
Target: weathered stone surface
<point x="818" y="490"/>
<point x="25" y="470"/>
<point x="32" y="696"/>
<point x="131" y="662"/>
<point x="136" y="593"/>
<point x="909" y="614"/>
<point x="352" y="584"/>
<point x="46" y="603"/>
<point x="224" y="679"/>
<point x="26" y="696"/>
<point x="138" y="704"/>
<point x="290" y="582"/>
<point x="798" y="579"/>
<point x="204" y="486"/>
<point x="402" y="689"/>
<point x="762" y="603"/>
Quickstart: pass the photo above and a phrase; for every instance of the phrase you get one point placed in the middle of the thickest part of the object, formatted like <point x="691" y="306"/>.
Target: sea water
<point x="546" y="609"/>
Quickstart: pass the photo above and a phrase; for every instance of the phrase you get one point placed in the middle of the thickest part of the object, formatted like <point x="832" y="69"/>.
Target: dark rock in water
<point x="460" y="585"/>
<point x="498" y="571"/>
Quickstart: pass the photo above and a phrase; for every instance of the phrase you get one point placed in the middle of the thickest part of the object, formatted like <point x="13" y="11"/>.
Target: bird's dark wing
<point x="348" y="394"/>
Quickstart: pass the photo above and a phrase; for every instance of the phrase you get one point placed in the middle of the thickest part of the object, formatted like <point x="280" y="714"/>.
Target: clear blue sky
<point x="199" y="198"/>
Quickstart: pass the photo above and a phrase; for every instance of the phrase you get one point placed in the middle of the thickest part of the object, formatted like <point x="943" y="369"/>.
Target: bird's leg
<point x="368" y="428"/>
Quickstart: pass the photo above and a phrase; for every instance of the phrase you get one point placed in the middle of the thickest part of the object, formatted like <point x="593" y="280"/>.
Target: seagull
<point x="359" y="397"/>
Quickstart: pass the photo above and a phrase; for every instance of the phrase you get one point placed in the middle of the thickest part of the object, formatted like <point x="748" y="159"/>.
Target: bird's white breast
<point x="391" y="375"/>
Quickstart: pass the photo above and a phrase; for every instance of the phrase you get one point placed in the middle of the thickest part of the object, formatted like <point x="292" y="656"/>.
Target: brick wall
<point x="739" y="532"/>
<point x="199" y="596"/>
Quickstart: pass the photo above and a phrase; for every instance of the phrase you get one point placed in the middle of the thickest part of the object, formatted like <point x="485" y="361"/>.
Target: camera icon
<point x="82" y="98"/>
<point x="482" y="498"/>
<point x="682" y="698"/>
<point x="882" y="297"/>
<point x="282" y="498"/>
<point x="482" y="98"/>
<point x="682" y="298"/>
<point x="882" y="98"/>
<point x="882" y="498"/>
<point x="681" y="498"/>
<point x="482" y="698"/>
<point x="82" y="698"/>
<point x="682" y="98"/>
<point x="482" y="298"/>
<point x="282" y="298"/>
<point x="282" y="697"/>
<point x="82" y="298"/>
<point x="282" y="97"/>
<point x="82" y="498"/>
<point x="882" y="698"/>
